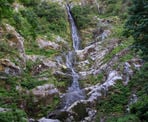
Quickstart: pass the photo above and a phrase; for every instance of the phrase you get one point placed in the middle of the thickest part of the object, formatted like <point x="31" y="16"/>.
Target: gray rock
<point x="4" y="109"/>
<point x="8" y="67"/>
<point x="17" y="41"/>
<point x="48" y="120"/>
<point x="60" y="75"/>
<point x="47" y="44"/>
<point x="45" y="90"/>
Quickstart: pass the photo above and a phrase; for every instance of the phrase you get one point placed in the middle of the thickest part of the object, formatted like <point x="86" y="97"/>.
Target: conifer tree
<point x="137" y="24"/>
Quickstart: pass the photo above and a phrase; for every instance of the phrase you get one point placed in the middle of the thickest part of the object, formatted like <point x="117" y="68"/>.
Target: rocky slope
<point x="33" y="71"/>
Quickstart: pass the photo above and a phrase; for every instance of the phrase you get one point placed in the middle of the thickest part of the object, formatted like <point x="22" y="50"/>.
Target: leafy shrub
<point x="31" y="17"/>
<point x="14" y="115"/>
<point x="55" y="17"/>
<point x="115" y="102"/>
<point x="126" y="118"/>
<point x="82" y="15"/>
<point x="23" y="26"/>
<point x="30" y="2"/>
<point x="5" y="8"/>
<point x="141" y="108"/>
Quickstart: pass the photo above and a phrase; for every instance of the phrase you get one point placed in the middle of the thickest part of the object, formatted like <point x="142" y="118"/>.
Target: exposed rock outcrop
<point x="92" y="57"/>
<point x="47" y="44"/>
<point x="16" y="41"/>
<point x="8" y="67"/>
<point x="46" y="92"/>
<point x="48" y="120"/>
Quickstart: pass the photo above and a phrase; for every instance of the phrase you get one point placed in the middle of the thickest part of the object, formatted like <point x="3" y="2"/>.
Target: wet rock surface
<point x="48" y="120"/>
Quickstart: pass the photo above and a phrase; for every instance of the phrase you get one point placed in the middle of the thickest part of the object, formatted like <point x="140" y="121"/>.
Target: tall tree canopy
<point x="137" y="24"/>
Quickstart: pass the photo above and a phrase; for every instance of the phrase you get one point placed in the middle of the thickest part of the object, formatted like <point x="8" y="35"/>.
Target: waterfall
<point x="74" y="31"/>
<point x="74" y="92"/>
<point x="75" y="76"/>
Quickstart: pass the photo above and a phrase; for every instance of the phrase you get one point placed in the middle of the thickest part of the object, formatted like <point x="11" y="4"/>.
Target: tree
<point x="137" y="24"/>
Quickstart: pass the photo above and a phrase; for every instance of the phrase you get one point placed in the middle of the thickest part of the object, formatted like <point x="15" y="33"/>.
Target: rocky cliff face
<point x="42" y="78"/>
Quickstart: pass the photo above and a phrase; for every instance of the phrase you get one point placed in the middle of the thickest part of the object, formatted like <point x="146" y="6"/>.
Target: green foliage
<point x="31" y="16"/>
<point x="55" y="15"/>
<point x="40" y="19"/>
<point x="83" y="16"/>
<point x="13" y="115"/>
<point x="30" y="2"/>
<point x="126" y="118"/>
<point x="137" y="24"/>
<point x="23" y="26"/>
<point x="114" y="105"/>
<point x="140" y="108"/>
<point x="5" y="9"/>
<point x="116" y="101"/>
<point x="139" y="82"/>
<point x="123" y="45"/>
<point x="114" y="8"/>
<point x="45" y="52"/>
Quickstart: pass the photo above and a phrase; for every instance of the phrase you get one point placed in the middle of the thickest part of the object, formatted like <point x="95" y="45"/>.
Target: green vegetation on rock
<point x="47" y="20"/>
<point x="83" y="16"/>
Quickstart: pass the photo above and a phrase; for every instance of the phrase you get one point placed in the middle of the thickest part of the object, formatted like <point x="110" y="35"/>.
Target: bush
<point x="139" y="82"/>
<point x="5" y="8"/>
<point x="30" y="2"/>
<point x="127" y="118"/>
<point x="141" y="109"/>
<point x="55" y="17"/>
<point x="82" y="16"/>
<point x="14" y="115"/>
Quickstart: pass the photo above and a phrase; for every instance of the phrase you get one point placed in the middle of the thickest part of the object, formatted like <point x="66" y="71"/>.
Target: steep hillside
<point x="43" y="77"/>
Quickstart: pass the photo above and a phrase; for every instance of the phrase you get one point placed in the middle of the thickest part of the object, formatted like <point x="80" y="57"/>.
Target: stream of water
<point x="74" y="92"/>
<point x="74" y="31"/>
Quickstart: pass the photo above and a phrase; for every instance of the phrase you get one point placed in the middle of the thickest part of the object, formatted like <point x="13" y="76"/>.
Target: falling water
<point x="75" y="76"/>
<point x="74" y="92"/>
<point x="74" y="31"/>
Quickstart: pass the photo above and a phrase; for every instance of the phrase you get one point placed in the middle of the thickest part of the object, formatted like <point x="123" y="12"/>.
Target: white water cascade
<point x="74" y="31"/>
<point x="74" y="93"/>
